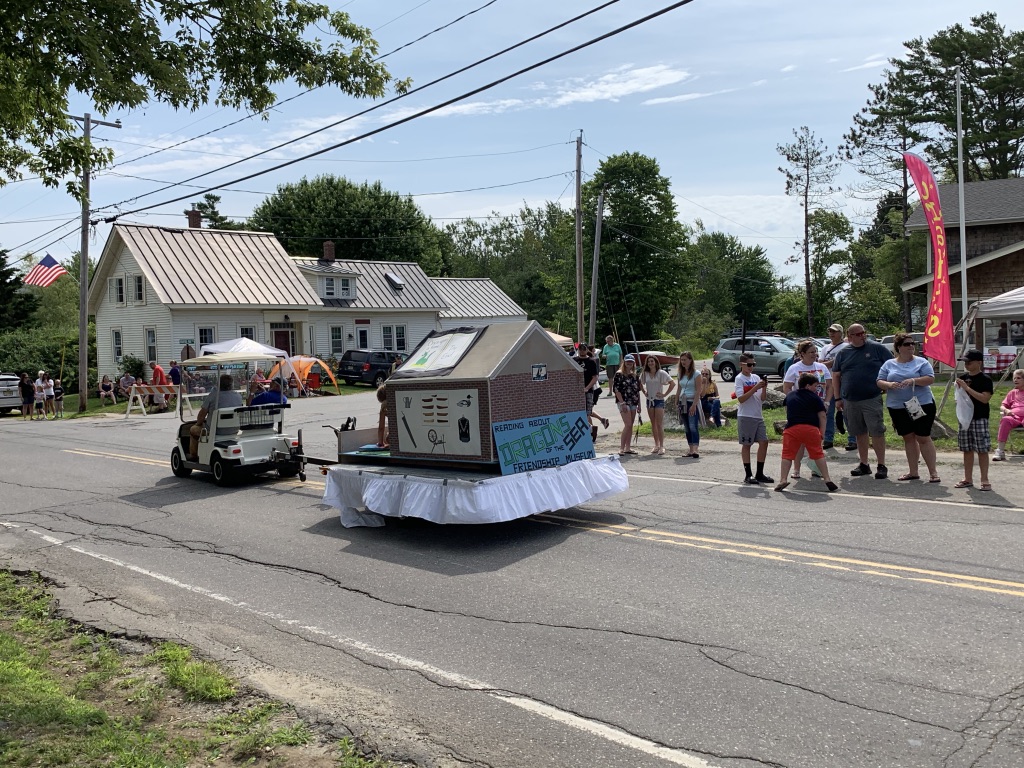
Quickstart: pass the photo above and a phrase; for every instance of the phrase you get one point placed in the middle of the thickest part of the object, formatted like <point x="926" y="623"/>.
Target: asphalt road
<point x="691" y="621"/>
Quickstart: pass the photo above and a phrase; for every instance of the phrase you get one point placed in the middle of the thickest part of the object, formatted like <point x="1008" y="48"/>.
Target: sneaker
<point x="999" y="455"/>
<point x="827" y="444"/>
<point x="882" y="472"/>
<point x="764" y="479"/>
<point x="851" y="446"/>
<point x="815" y="472"/>
<point x="862" y="469"/>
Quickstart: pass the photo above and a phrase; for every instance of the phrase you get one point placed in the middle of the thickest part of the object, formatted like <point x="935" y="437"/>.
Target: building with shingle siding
<point x="994" y="216"/>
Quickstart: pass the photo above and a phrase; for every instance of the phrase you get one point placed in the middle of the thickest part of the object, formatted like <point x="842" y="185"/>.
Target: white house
<point x="160" y="293"/>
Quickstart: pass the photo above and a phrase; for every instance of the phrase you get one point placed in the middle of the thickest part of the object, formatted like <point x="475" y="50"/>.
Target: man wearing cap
<point x="827" y="356"/>
<point x="854" y="376"/>
<point x="975" y="438"/>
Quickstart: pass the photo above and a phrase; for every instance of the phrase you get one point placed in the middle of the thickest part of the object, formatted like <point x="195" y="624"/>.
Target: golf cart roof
<point x="229" y="358"/>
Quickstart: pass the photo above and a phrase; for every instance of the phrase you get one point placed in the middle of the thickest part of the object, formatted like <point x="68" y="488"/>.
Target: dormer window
<point x="338" y="288"/>
<point x="395" y="281"/>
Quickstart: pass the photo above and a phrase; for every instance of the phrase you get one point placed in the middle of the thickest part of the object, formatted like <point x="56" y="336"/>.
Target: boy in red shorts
<point x="805" y="425"/>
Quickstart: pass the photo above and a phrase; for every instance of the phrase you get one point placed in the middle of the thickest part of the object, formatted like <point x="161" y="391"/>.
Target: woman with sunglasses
<point x="626" y="387"/>
<point x="905" y="377"/>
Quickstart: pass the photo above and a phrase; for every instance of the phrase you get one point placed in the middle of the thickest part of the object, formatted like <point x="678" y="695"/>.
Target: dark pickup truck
<point x="366" y="366"/>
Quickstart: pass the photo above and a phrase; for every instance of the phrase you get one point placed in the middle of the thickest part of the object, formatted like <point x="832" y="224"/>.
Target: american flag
<point x="45" y="273"/>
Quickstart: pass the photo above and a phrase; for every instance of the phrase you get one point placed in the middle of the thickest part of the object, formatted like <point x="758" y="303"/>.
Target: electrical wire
<point x="421" y="113"/>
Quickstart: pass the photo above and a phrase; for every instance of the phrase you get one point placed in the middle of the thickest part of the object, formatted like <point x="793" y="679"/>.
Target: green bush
<point x="29" y="350"/>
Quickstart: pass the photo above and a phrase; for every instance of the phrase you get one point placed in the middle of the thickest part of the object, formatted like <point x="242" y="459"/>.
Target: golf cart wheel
<point x="379" y="379"/>
<point x="287" y="470"/>
<point x="178" y="465"/>
<point x="221" y="471"/>
<point x="728" y="371"/>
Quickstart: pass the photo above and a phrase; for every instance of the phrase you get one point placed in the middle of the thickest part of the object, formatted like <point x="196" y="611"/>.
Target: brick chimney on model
<point x="328" y="251"/>
<point x="195" y="219"/>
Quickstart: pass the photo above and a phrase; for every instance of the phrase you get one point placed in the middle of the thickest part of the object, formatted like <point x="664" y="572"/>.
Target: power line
<point x="442" y="105"/>
<point x="406" y="95"/>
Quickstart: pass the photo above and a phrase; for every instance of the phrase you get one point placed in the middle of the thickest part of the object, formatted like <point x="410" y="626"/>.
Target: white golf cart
<point x="240" y="439"/>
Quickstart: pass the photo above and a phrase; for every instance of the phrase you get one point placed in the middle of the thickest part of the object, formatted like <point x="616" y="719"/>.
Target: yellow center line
<point x="161" y="463"/>
<point x="849" y="564"/>
<point x="120" y="457"/>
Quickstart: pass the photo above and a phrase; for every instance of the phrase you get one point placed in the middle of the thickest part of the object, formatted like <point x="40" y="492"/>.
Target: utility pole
<point x="579" y="237"/>
<point x="83" y="265"/>
<point x="593" y="275"/>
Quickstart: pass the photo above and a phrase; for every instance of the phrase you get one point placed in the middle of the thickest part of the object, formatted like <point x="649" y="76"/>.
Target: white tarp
<point x="365" y="495"/>
<point x="1006" y="305"/>
<point x="241" y="346"/>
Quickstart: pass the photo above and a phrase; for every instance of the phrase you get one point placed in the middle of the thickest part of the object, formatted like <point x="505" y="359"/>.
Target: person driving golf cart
<point x="222" y="396"/>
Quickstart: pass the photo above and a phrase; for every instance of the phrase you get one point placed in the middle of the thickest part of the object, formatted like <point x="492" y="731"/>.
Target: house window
<point x="206" y="336"/>
<point x="345" y="288"/>
<point x="115" y="343"/>
<point x="139" y="289"/>
<point x="328" y="287"/>
<point x="394" y="338"/>
<point x="115" y="290"/>
<point x="337" y="340"/>
<point x="247" y="332"/>
<point x="150" y="344"/>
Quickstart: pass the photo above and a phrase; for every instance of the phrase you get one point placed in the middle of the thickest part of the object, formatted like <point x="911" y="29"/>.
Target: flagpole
<point x="960" y="194"/>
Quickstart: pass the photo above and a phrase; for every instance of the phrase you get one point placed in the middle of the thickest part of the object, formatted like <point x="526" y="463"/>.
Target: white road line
<point x="888" y="497"/>
<point x="601" y="730"/>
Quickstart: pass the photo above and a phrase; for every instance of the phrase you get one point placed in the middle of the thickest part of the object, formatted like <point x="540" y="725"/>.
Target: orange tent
<point x="301" y="366"/>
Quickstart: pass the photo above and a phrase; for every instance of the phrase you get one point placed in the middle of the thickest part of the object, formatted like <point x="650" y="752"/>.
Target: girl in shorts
<point x="657" y="385"/>
<point x="626" y="387"/>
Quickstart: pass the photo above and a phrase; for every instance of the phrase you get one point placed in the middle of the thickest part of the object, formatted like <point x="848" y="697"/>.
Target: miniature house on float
<point x="504" y="395"/>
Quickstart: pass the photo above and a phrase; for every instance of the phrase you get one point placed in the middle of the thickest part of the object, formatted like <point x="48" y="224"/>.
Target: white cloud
<point x="866" y="65"/>
<point x="788" y="68"/>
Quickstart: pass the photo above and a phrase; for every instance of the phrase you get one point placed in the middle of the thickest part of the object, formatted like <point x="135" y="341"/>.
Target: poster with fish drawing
<point x="445" y="423"/>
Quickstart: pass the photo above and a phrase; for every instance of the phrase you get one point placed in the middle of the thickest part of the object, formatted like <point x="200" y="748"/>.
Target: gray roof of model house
<point x="475" y="297"/>
<point x="193" y="266"/>
<point x="999" y="201"/>
<point x="380" y="284"/>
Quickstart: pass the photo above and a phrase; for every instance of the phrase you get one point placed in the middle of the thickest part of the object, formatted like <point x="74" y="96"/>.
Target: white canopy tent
<point x="241" y="346"/>
<point x="1007" y="305"/>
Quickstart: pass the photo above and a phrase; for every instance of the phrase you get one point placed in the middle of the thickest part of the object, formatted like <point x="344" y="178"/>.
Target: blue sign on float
<point x="540" y="442"/>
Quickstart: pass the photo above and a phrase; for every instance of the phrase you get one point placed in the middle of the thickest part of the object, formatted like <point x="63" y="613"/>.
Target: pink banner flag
<point x="939" y="343"/>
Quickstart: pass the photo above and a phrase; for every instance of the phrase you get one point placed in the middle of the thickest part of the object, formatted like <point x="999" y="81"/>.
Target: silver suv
<point x="770" y="353"/>
<point x="10" y="395"/>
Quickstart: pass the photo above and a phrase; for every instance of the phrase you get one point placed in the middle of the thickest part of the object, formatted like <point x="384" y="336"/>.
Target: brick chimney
<point x="328" y="251"/>
<point x="195" y="219"/>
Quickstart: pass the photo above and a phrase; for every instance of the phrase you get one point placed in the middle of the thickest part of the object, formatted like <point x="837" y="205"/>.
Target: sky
<point x="709" y="90"/>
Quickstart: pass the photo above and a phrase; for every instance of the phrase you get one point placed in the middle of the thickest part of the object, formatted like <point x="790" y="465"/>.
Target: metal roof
<point x="209" y="266"/>
<point x="323" y="267"/>
<point x="475" y="297"/>
<point x="999" y="201"/>
<point x="374" y="291"/>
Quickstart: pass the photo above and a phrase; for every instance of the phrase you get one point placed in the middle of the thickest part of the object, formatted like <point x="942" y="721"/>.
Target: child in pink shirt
<point x="1012" y="411"/>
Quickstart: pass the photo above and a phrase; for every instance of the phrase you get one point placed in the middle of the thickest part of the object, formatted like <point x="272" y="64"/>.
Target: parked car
<point x="918" y="337"/>
<point x="10" y="396"/>
<point x="770" y="354"/>
<point x="367" y="366"/>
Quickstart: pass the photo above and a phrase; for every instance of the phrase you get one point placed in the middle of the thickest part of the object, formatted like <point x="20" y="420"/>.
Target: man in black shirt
<point x="975" y="438"/>
<point x="591" y="373"/>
